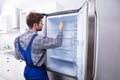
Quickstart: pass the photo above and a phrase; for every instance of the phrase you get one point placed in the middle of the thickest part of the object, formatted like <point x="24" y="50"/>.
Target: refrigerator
<point x="75" y="58"/>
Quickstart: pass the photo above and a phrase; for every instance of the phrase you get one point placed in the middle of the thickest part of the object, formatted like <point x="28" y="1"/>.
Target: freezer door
<point x="68" y="59"/>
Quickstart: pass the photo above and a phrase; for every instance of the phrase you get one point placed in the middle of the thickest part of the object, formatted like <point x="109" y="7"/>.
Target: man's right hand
<point x="61" y="26"/>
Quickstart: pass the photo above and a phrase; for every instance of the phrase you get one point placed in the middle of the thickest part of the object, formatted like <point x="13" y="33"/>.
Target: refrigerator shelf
<point x="62" y="59"/>
<point x="63" y="70"/>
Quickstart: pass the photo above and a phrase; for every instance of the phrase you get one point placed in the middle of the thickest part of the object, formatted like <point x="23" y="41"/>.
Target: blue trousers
<point x="32" y="73"/>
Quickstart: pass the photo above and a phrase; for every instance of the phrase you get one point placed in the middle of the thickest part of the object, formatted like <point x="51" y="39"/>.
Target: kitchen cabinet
<point x="23" y="25"/>
<point x="10" y="68"/>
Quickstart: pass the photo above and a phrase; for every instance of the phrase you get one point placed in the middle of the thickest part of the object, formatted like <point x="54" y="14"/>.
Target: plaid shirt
<point x="39" y="46"/>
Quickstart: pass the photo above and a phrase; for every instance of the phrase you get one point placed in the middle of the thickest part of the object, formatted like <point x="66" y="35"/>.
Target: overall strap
<point x="27" y="53"/>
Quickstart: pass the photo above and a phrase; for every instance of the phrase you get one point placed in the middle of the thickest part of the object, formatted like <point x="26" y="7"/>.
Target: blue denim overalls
<point x="32" y="72"/>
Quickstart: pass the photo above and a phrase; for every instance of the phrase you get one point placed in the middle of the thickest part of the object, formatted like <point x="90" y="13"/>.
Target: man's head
<point x="34" y="21"/>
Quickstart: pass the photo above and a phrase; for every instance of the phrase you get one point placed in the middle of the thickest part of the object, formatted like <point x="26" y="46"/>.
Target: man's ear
<point x="35" y="25"/>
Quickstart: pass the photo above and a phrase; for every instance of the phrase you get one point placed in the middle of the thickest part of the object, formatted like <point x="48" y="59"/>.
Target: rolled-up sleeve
<point x="47" y="42"/>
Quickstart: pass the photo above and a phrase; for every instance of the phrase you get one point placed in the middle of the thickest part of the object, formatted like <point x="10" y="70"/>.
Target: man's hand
<point x="61" y="26"/>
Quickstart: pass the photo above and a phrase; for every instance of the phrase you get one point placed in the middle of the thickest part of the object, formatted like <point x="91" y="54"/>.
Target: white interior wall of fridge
<point x="63" y="57"/>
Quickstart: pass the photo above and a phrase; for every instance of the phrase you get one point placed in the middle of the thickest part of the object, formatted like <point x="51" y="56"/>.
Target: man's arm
<point x="46" y="42"/>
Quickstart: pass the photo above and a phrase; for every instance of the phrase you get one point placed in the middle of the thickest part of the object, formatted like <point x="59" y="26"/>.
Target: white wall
<point x="26" y="4"/>
<point x="72" y="4"/>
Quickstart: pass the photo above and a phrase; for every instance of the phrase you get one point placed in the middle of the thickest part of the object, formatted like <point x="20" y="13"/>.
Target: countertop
<point x="10" y="53"/>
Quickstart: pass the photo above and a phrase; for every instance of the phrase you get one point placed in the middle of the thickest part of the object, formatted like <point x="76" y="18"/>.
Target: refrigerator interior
<point x="64" y="56"/>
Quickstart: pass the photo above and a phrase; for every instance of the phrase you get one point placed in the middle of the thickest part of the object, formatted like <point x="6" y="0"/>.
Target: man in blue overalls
<point x="31" y="47"/>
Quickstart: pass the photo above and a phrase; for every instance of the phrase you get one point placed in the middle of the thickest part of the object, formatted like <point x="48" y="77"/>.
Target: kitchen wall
<point x="67" y="5"/>
<point x="72" y="4"/>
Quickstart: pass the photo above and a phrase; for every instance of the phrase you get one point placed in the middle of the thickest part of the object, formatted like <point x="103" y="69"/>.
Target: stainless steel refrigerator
<point x="75" y="58"/>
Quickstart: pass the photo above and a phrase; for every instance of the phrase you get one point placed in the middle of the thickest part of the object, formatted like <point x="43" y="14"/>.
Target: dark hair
<point x="32" y="18"/>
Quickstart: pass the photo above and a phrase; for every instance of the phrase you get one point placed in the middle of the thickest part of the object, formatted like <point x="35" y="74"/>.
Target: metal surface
<point x="56" y="76"/>
<point x="108" y="62"/>
<point x="91" y="40"/>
